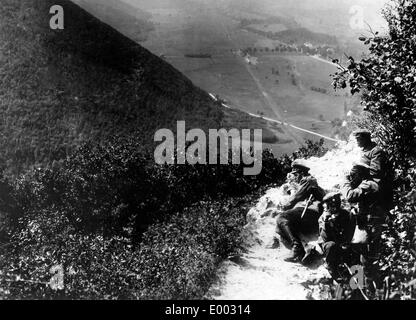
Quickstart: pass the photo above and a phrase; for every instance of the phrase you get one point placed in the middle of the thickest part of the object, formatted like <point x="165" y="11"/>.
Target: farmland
<point x="286" y="86"/>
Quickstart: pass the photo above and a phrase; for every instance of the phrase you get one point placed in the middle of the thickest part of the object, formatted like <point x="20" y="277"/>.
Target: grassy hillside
<point x="60" y="88"/>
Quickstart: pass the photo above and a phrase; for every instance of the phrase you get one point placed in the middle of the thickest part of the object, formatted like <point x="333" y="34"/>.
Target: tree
<point x="386" y="77"/>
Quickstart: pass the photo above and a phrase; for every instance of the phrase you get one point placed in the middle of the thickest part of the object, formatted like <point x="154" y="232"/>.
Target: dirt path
<point x="261" y="273"/>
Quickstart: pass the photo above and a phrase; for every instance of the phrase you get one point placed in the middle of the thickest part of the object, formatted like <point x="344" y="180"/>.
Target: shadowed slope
<point x="60" y="88"/>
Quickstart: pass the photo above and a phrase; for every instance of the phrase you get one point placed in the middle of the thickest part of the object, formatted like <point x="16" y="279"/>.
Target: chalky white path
<point x="261" y="273"/>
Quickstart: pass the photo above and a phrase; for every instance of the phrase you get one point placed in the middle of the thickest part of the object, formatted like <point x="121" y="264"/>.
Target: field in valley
<point x="284" y="86"/>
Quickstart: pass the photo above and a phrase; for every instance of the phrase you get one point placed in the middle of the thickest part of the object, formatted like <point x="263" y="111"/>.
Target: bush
<point x="386" y="77"/>
<point x="311" y="149"/>
<point x="120" y="226"/>
<point x="176" y="259"/>
<point x="190" y="249"/>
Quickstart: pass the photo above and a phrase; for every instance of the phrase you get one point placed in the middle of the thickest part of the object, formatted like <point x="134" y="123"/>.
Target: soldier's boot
<point x="288" y="230"/>
<point x="369" y="260"/>
<point x="311" y="257"/>
<point x="289" y="235"/>
<point x="372" y="278"/>
<point x="283" y="231"/>
<point x="334" y="261"/>
<point x="297" y="254"/>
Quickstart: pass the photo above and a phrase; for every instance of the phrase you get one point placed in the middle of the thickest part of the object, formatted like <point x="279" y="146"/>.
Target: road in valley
<point x="268" y="102"/>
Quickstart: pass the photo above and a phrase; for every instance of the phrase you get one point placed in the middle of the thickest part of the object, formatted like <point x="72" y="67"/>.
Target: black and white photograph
<point x="220" y="151"/>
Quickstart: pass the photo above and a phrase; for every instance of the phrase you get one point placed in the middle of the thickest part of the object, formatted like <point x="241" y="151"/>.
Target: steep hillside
<point x="60" y="88"/>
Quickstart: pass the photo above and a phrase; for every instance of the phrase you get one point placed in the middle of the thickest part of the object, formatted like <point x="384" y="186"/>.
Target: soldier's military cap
<point x="299" y="165"/>
<point x="362" y="132"/>
<point x="332" y="197"/>
<point x="361" y="165"/>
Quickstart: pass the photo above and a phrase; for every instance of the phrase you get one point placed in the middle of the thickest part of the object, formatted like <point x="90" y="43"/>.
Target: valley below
<point x="211" y="45"/>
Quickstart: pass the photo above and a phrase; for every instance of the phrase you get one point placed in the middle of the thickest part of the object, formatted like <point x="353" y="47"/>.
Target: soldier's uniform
<point x="290" y="224"/>
<point x="370" y="215"/>
<point x="381" y="171"/>
<point x="336" y="230"/>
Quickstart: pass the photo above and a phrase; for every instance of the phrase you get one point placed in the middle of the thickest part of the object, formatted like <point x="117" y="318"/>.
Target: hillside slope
<point x="60" y="88"/>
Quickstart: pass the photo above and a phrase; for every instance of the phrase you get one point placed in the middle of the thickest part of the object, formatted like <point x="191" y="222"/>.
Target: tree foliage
<point x="121" y="227"/>
<point x="386" y="79"/>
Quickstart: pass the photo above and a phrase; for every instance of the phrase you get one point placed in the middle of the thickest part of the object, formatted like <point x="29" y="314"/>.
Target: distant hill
<point x="61" y="88"/>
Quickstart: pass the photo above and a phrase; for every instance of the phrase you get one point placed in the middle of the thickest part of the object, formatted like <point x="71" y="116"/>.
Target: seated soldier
<point x="336" y="229"/>
<point x="381" y="170"/>
<point x="361" y="190"/>
<point x="301" y="214"/>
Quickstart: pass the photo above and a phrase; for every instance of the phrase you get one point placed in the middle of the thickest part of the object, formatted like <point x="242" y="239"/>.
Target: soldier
<point x="305" y="201"/>
<point x="336" y="229"/>
<point x="381" y="171"/>
<point x="362" y="191"/>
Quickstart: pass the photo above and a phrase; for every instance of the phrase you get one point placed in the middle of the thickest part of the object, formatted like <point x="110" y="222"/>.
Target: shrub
<point x="176" y="259"/>
<point x="386" y="77"/>
<point x="311" y="149"/>
<point x="121" y="227"/>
